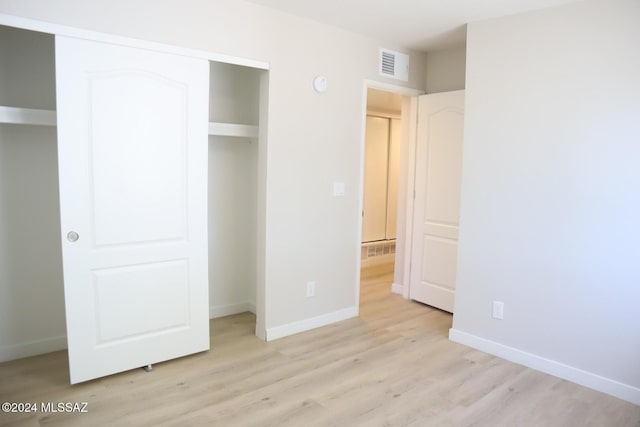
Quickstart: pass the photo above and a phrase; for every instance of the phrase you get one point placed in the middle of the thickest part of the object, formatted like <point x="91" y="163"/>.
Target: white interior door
<point x="437" y="199"/>
<point x="132" y="142"/>
<point x="374" y="219"/>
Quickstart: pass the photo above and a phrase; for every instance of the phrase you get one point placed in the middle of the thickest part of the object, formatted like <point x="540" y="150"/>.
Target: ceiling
<point x="416" y="24"/>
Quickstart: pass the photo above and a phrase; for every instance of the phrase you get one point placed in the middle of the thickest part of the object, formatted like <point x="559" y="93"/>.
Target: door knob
<point x="72" y="236"/>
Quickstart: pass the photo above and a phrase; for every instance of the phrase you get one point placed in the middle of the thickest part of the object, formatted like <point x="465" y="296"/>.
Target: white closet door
<point x="374" y="218"/>
<point x="132" y="142"/>
<point x="395" y="139"/>
<point x="437" y="199"/>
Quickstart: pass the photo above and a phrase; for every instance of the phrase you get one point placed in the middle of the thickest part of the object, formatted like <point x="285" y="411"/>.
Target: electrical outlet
<point x="498" y="310"/>
<point x="311" y="289"/>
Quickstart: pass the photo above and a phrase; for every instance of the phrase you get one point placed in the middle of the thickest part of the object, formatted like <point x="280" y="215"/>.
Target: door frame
<point x="409" y="119"/>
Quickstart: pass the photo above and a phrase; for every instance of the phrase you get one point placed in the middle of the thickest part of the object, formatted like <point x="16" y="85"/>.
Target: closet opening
<point x="32" y="311"/>
<point x="32" y="303"/>
<point x="234" y="115"/>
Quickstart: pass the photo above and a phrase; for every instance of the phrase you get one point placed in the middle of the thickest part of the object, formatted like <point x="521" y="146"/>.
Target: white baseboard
<point x="229" y="309"/>
<point x="311" y="323"/>
<point x="48" y="345"/>
<point x="396" y="288"/>
<point x="552" y="367"/>
<point x="32" y="348"/>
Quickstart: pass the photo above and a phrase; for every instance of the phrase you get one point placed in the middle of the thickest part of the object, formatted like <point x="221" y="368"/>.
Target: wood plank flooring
<point x="392" y="366"/>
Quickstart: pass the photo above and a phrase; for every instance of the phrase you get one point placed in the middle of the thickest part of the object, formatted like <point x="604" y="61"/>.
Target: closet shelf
<point x="27" y="116"/>
<point x="31" y="116"/>
<point x="232" y="129"/>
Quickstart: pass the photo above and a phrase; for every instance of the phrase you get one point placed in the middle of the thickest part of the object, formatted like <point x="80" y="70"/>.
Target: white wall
<point x="446" y="70"/>
<point x="234" y="93"/>
<point x="31" y="290"/>
<point x="550" y="192"/>
<point x="313" y="140"/>
<point x="232" y="225"/>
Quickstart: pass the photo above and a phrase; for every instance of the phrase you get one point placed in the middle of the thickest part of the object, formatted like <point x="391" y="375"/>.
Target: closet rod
<point x="232" y="129"/>
<point x="27" y="116"/>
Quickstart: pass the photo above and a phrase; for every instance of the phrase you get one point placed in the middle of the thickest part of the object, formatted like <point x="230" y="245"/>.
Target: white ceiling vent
<point x="394" y="65"/>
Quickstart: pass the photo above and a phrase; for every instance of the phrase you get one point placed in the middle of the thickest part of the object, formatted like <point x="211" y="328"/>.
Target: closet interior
<point x="32" y="318"/>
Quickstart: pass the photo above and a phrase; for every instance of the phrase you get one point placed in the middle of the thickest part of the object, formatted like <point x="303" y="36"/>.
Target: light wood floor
<point x="392" y="366"/>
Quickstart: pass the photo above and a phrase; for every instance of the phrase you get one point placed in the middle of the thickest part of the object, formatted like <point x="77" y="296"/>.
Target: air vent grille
<point x="388" y="63"/>
<point x="394" y="65"/>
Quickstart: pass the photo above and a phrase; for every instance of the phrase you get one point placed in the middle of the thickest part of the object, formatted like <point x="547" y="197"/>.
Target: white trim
<point x="551" y="367"/>
<point x="311" y="323"/>
<point x="233" y="129"/>
<point x="412" y="116"/>
<point x="360" y="189"/>
<point x="27" y="116"/>
<point x="402" y="90"/>
<point x="32" y="348"/>
<point x="261" y="208"/>
<point x="63" y="30"/>
<point x="383" y="114"/>
<point x="230" y="309"/>
<point x="397" y="289"/>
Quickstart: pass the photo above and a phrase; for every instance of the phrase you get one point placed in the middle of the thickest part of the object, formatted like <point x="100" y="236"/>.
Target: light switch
<point x="338" y="189"/>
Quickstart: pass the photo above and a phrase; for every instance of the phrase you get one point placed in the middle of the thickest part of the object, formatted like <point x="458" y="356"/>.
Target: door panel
<point x="444" y="168"/>
<point x="146" y="286"/>
<point x="438" y="260"/>
<point x="437" y="199"/>
<point x="131" y="186"/>
<point x="374" y="219"/>
<point x="132" y="148"/>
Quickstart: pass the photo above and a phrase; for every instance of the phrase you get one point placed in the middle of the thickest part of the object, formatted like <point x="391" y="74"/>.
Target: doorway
<point x="381" y="172"/>
<point x="389" y="111"/>
<point x="422" y="270"/>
